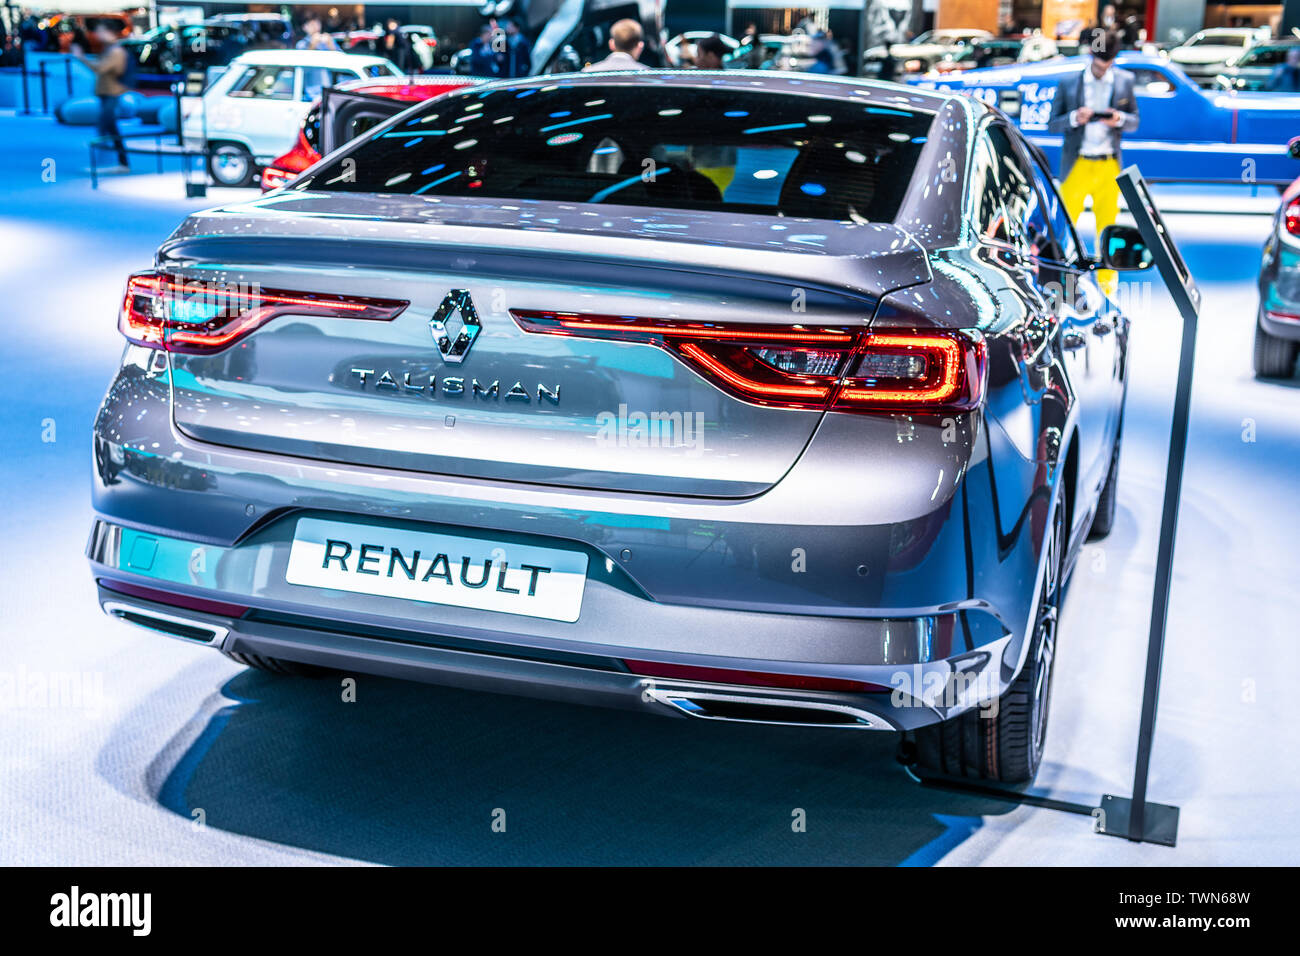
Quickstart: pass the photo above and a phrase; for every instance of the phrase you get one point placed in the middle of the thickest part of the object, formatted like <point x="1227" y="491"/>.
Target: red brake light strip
<point x="238" y="310"/>
<point x="953" y="369"/>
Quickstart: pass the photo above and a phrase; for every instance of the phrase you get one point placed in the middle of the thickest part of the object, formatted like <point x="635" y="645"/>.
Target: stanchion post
<point x="1134" y="818"/>
<point x="22" y="63"/>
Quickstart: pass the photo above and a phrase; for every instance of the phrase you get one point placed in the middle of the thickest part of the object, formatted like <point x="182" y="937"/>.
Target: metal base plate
<point x="1159" y="822"/>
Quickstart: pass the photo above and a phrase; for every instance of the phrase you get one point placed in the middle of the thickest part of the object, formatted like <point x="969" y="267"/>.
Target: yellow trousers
<point x="1095" y="178"/>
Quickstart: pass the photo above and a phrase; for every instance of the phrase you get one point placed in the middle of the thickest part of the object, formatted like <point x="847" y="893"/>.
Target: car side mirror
<point x="1293" y="148"/>
<point x="1123" y="249"/>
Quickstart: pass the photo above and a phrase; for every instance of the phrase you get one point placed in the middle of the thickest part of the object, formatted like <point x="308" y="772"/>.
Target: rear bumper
<point x="944" y="687"/>
<point x="1282" y="324"/>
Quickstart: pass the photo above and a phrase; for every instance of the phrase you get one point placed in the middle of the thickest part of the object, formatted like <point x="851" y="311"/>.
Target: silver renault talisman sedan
<point x="773" y="399"/>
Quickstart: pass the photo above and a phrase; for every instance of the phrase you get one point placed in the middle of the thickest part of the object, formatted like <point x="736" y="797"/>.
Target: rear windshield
<point x="675" y="148"/>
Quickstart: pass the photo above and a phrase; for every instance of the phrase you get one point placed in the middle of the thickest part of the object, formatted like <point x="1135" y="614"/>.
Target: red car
<point x="412" y="89"/>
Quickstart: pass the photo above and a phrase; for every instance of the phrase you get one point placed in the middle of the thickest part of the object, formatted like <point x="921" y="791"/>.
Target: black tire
<point x="1007" y="747"/>
<point x="1274" y="357"/>
<point x="1107" y="504"/>
<point x="230" y="164"/>
<point x="275" y="665"/>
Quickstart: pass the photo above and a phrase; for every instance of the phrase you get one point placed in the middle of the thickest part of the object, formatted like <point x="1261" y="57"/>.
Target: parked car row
<point x="1186" y="133"/>
<point x="1250" y="72"/>
<point x="422" y="39"/>
<point x="215" y="41"/>
<point x="1230" y="58"/>
<point x="1205" y="54"/>
<point x="219" y="39"/>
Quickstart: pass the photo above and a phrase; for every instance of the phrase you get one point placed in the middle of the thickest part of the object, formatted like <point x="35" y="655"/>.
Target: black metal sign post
<point x="1135" y="818"/>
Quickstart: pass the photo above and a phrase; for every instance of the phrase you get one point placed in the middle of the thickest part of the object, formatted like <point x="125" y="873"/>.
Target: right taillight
<point x="811" y="367"/>
<point x="912" y="369"/>
<point x="1292" y="216"/>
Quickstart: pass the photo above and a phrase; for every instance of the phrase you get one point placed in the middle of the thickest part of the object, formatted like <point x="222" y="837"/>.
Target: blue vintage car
<point x="1186" y="134"/>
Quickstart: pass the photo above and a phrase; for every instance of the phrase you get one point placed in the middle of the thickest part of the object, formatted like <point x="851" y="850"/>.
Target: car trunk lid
<point x="514" y="404"/>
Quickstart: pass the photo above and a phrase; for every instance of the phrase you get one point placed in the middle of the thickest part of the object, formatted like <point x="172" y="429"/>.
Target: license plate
<point x="438" y="568"/>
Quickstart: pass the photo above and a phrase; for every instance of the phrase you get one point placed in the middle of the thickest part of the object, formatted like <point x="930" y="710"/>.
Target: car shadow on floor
<point x="417" y="774"/>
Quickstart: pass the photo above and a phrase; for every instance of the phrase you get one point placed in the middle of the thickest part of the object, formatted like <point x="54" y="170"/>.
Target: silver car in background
<point x="732" y="396"/>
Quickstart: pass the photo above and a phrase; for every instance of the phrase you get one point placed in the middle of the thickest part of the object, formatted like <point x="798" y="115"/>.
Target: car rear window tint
<point x="668" y="147"/>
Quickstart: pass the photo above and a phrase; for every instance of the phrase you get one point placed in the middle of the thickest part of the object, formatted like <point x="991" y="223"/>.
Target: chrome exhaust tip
<point x="704" y="703"/>
<point x="182" y="628"/>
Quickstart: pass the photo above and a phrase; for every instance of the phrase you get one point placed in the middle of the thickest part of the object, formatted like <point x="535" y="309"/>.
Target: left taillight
<point x="187" y="315"/>
<point x="839" y="368"/>
<point x="1292" y="216"/>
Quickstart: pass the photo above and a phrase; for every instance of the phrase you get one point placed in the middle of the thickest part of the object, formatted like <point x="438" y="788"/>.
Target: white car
<point x="1203" y="55"/>
<point x="252" y="112"/>
<point x="1036" y="47"/>
<point x="922" y="52"/>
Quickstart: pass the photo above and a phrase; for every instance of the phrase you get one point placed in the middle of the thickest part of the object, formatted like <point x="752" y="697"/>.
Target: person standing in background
<point x="396" y="47"/>
<point x="1093" y="112"/>
<point x="111" y="72"/>
<point x="755" y="55"/>
<point x="519" y="53"/>
<point x="314" y="38"/>
<point x="485" y="59"/>
<point x="626" y="44"/>
<point x="709" y="53"/>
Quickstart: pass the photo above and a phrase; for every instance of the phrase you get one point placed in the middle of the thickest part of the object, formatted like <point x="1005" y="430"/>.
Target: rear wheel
<point x="1274" y="356"/>
<point x="231" y="164"/>
<point x="275" y="665"/>
<point x="1007" y="745"/>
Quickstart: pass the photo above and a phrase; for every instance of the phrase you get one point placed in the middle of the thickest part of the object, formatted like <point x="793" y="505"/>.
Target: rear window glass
<point x="678" y="148"/>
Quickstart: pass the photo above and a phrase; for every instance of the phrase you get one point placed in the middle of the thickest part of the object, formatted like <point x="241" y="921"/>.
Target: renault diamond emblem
<point x="454" y="340"/>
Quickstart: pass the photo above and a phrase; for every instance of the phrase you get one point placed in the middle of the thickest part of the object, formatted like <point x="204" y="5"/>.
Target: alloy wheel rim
<point x="230" y="166"/>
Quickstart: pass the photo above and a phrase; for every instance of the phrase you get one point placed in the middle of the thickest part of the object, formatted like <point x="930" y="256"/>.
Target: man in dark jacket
<point x="1093" y="112"/>
<point x="519" y="52"/>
